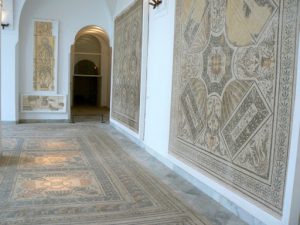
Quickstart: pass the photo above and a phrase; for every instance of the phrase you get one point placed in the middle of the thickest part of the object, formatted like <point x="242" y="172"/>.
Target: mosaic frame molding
<point x="193" y="77"/>
<point x="127" y="66"/>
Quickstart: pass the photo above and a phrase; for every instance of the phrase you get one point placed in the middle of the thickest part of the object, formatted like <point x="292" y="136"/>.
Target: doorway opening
<point x="90" y="75"/>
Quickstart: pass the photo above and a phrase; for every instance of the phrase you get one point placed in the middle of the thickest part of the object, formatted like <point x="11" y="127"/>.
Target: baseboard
<point x="127" y="132"/>
<point x="9" y="122"/>
<point x="44" y="121"/>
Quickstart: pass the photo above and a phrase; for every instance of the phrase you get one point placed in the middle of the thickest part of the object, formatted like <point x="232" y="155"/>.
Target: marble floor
<point x="90" y="173"/>
<point x="85" y="113"/>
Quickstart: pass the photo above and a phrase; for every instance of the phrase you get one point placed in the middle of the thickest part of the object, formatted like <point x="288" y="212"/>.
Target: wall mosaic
<point x="44" y="56"/>
<point x="127" y="66"/>
<point x="233" y="92"/>
<point x="35" y="103"/>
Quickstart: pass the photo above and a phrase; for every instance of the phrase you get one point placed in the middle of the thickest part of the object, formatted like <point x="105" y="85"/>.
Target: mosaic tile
<point x="37" y="185"/>
<point x="8" y="144"/>
<point x="52" y="160"/>
<point x="51" y="144"/>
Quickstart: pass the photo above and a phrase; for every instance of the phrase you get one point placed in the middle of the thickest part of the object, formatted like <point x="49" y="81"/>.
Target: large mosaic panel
<point x="127" y="66"/>
<point x="44" y="56"/>
<point x="232" y="94"/>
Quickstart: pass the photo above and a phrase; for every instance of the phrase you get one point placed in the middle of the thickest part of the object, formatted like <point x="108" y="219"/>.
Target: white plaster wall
<point x="8" y="16"/>
<point x="159" y="78"/>
<point x="121" y="5"/>
<point x="111" y="5"/>
<point x="8" y="79"/>
<point x="72" y="16"/>
<point x="9" y="62"/>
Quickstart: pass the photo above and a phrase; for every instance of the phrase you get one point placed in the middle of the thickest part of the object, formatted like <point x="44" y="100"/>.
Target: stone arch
<point x="105" y="69"/>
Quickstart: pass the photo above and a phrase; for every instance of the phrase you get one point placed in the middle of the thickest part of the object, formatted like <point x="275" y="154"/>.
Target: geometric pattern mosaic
<point x="39" y="185"/>
<point x="127" y="66"/>
<point x="52" y="160"/>
<point x="44" y="57"/>
<point x="8" y="144"/>
<point x="78" y="174"/>
<point x="48" y="144"/>
<point x="232" y="93"/>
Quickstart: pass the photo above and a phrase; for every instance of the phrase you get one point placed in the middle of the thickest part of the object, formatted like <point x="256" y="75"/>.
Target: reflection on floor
<point x="91" y="174"/>
<point x="87" y="113"/>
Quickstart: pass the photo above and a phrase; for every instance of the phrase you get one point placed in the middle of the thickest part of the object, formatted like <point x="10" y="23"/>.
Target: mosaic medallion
<point x="217" y="65"/>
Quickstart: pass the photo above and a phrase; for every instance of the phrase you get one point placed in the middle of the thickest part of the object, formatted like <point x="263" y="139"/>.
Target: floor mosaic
<point x="36" y="185"/>
<point x="50" y="144"/>
<point x="8" y="143"/>
<point x="81" y="176"/>
<point x="52" y="160"/>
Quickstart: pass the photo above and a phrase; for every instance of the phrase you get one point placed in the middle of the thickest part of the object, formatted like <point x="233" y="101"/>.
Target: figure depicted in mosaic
<point x="44" y="57"/>
<point x="232" y="92"/>
<point x="127" y="66"/>
<point x="34" y="103"/>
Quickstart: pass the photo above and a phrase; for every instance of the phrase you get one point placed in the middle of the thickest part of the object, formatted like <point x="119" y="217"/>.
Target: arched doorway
<point x="90" y="75"/>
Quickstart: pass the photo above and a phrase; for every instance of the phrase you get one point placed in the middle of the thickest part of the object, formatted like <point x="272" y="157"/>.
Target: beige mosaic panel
<point x="44" y="57"/>
<point x="127" y="66"/>
<point x="34" y="103"/>
<point x="232" y="92"/>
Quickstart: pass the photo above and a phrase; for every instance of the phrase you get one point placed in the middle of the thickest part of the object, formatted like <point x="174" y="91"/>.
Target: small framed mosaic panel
<point x="43" y="103"/>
